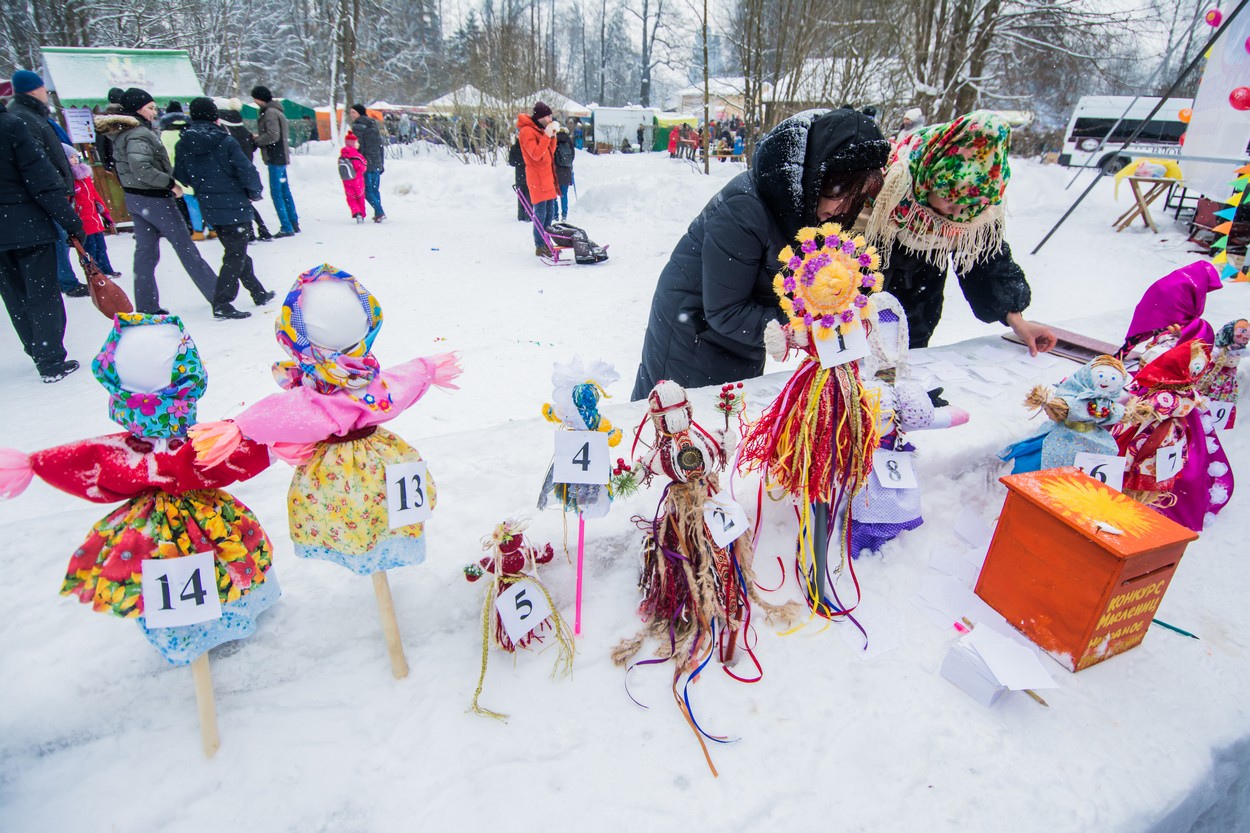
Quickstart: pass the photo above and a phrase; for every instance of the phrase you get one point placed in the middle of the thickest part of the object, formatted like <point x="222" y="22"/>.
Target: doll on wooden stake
<point x="815" y="441"/>
<point x="513" y="560"/>
<point x="174" y="506"/>
<point x="327" y="421"/>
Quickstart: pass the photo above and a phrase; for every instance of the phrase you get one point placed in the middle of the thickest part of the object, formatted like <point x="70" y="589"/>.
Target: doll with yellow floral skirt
<point x="815" y="440"/>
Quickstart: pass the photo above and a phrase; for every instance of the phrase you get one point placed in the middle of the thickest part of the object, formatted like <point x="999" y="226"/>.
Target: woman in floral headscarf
<point x="941" y="206"/>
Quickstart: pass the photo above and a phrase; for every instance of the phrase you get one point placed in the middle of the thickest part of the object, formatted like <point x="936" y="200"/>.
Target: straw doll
<point x="328" y="422"/>
<point x="878" y="513"/>
<point x="1166" y="428"/>
<point x="815" y="440"/>
<point x="512" y="559"/>
<point x="1083" y="409"/>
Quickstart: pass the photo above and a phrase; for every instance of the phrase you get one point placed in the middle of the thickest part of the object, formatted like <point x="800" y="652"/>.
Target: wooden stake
<point x="204" y="700"/>
<point x="390" y="627"/>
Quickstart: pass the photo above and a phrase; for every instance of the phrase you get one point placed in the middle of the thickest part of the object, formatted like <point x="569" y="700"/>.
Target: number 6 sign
<point x="407" y="494"/>
<point x="581" y="457"/>
<point x="180" y="591"/>
<point x="1105" y="468"/>
<point x="522" y="607"/>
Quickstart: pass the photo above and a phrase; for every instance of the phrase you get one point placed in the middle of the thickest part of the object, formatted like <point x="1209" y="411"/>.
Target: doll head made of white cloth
<point x="888" y="336"/>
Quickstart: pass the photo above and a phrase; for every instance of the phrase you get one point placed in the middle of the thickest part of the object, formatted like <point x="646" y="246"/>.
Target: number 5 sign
<point x="522" y="607"/>
<point x="407" y="494"/>
<point x="581" y="457"/>
<point x="180" y="591"/>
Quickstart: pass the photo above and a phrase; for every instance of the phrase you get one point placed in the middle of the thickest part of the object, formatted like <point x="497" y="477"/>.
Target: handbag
<point x="108" y="297"/>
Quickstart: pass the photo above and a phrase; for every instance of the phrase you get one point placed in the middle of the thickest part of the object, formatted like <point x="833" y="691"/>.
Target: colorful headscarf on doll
<point x="1180" y="367"/>
<point x="1179" y="297"/>
<point x="1228" y="336"/>
<point x="1080" y="386"/>
<point x="825" y="284"/>
<point x="164" y="413"/>
<point x="351" y="371"/>
<point x="964" y="161"/>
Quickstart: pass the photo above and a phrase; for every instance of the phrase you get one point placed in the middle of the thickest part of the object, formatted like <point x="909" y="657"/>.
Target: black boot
<point x="228" y="311"/>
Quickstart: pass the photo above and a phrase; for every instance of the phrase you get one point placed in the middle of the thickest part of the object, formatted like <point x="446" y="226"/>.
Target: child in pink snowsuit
<point x="354" y="188"/>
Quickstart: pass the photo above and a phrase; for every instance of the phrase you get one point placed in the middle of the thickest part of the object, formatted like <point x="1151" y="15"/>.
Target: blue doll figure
<point x="1082" y="409"/>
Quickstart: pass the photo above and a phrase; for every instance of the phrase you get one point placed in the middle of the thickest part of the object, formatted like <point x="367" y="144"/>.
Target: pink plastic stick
<point x="581" y="557"/>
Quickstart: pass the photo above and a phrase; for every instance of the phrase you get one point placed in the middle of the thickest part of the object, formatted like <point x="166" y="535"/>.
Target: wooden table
<point x="1141" y="202"/>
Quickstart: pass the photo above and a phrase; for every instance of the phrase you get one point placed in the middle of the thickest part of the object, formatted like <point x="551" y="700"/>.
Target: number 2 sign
<point x="522" y="607"/>
<point x="581" y="457"/>
<point x="180" y="591"/>
<point x="407" y="494"/>
<point x="725" y="518"/>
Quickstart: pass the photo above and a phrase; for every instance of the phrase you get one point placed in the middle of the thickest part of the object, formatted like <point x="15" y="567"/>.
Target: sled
<point x="568" y="244"/>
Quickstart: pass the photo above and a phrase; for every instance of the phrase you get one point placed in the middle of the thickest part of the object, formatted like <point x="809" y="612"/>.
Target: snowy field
<point x="98" y="734"/>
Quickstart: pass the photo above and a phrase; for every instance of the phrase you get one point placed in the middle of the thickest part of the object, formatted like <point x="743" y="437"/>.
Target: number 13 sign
<point x="407" y="494"/>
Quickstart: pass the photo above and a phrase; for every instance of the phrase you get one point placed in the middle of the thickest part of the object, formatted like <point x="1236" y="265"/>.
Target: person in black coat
<point x="226" y="183"/>
<point x="516" y="160"/>
<point x="32" y="198"/>
<point x="232" y="120"/>
<point x="715" y="296"/>
<point x="564" y="168"/>
<point x="371" y="147"/>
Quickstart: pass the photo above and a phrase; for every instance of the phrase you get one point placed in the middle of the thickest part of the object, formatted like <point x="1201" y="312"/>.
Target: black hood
<point x="201" y="138"/>
<point x="790" y="163"/>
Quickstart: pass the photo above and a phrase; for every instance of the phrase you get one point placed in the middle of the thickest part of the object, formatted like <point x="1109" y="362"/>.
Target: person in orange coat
<point x="537" y="134"/>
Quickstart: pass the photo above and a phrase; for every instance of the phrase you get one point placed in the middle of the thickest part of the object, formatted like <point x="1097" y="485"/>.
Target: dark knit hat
<point x="134" y="99"/>
<point x="541" y="109"/>
<point x="174" y="107"/>
<point x="24" y="81"/>
<point x="360" y="109"/>
<point x="261" y="93"/>
<point x="230" y="117"/>
<point x="115" y="95"/>
<point x="203" y="109"/>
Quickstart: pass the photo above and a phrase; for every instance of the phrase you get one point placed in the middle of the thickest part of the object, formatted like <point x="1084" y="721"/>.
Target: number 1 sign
<point x="407" y="494"/>
<point x="180" y="591"/>
<point x="581" y="457"/>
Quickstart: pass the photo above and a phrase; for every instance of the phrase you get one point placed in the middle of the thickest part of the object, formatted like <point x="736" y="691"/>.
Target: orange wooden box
<point x="1081" y="593"/>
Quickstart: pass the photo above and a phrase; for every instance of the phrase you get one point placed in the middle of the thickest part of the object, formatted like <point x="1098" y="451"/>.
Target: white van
<point x="1092" y="121"/>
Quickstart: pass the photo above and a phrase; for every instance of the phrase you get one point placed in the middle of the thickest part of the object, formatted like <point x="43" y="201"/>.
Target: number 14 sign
<point x="180" y="591"/>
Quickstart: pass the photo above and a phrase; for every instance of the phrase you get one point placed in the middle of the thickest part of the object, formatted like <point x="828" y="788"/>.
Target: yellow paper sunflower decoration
<point x="825" y="285"/>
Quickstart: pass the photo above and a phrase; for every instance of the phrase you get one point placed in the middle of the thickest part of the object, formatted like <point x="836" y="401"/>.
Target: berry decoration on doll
<point x="513" y="560"/>
<point x="327" y="421"/>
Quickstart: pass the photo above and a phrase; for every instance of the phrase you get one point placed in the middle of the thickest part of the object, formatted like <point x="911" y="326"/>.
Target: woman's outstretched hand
<point x="1037" y="337"/>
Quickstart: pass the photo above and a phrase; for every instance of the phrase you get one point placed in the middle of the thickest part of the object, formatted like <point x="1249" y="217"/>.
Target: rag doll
<point x="574" y="406"/>
<point x="815" y="440"/>
<point x="1170" y="311"/>
<point x="1219" y="383"/>
<point x="1082" y="408"/>
<point x="171" y="506"/>
<point x="879" y="513"/>
<point x="1166" y="428"/>
<point x="512" y="559"/>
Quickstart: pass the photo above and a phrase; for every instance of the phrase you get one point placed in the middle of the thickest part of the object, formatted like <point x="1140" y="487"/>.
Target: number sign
<point x="725" y="519"/>
<point x="893" y="469"/>
<point x="1222" y="414"/>
<point x="835" y="349"/>
<point x="1169" y="460"/>
<point x="407" y="494"/>
<point x="180" y="591"/>
<point x="522" y="607"/>
<point x="1105" y="468"/>
<point x="582" y="457"/>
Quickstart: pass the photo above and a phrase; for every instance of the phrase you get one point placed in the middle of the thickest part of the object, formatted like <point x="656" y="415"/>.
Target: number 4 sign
<point x="407" y="494"/>
<point x="725" y="519"/>
<point x="180" y="591"/>
<point x="581" y="457"/>
<point x="522" y="607"/>
<point x="1104" y="468"/>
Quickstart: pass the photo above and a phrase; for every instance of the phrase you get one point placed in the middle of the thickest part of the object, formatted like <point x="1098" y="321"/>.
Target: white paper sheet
<point x="1013" y="664"/>
<point x="973" y="529"/>
<point x="992" y="373"/>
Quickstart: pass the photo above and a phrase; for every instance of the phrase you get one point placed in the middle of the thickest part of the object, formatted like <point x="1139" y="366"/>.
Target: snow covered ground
<point x="98" y="734"/>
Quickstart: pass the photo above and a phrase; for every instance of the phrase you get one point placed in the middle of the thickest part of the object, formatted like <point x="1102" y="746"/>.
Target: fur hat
<point x="204" y="109"/>
<point x="134" y="99"/>
<point x="261" y="93"/>
<point x="24" y="81"/>
<point x="541" y="109"/>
